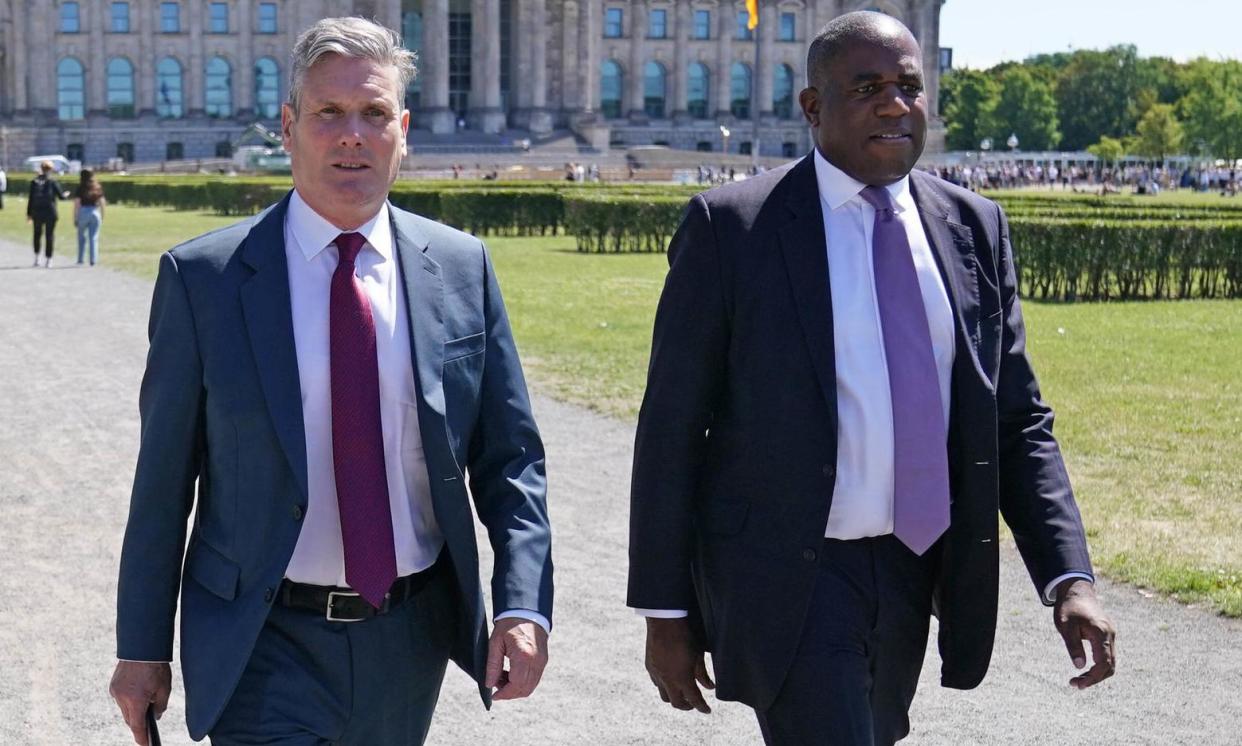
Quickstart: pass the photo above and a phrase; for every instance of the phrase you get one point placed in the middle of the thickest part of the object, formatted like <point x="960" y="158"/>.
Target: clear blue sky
<point x="985" y="32"/>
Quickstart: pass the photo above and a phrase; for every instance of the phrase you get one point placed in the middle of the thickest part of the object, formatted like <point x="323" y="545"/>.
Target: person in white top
<point x="838" y="403"/>
<point x="329" y="384"/>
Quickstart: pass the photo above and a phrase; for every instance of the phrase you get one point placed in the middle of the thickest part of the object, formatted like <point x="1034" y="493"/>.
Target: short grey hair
<point x="348" y="37"/>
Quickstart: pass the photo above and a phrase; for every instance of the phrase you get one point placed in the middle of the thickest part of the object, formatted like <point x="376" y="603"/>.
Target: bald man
<point x="839" y="403"/>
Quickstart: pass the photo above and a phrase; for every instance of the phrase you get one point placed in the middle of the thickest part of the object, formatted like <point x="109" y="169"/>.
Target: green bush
<point x="617" y="223"/>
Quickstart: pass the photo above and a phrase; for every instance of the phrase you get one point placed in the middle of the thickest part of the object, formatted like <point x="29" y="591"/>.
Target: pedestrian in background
<point x="41" y="209"/>
<point x="4" y="187"/>
<point x="88" y="211"/>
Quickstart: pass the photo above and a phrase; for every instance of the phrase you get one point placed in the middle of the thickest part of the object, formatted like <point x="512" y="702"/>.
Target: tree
<point x="970" y="97"/>
<point x="1026" y="107"/>
<point x="1159" y="133"/>
<point x="1095" y="94"/>
<point x="1109" y="149"/>
<point x="1212" y="109"/>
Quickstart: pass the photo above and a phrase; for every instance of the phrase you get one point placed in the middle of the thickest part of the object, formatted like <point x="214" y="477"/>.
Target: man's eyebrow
<point x="866" y="77"/>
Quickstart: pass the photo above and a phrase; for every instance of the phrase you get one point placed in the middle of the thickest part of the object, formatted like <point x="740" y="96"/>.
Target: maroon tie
<point x="357" y="437"/>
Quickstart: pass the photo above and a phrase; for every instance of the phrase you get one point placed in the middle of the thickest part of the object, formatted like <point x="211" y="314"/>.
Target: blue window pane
<point x="70" y="89"/>
<point x="70" y="18"/>
<point x="120" y="88"/>
<point x="218" y="97"/>
<point x="657" y="26"/>
<point x="702" y="24"/>
<point x="267" y="18"/>
<point x="219" y="21"/>
<point x="120" y="18"/>
<point x="168" y="95"/>
<point x="610" y="87"/>
<point x="788" y="27"/>
<point x="743" y="23"/>
<point x="170" y="18"/>
<point x="612" y="23"/>
<point x="267" y="88"/>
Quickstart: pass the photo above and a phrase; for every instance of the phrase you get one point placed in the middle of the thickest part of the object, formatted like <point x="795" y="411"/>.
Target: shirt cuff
<point x="1050" y="589"/>
<point x="131" y="660"/>
<point x="528" y="615"/>
<point x="662" y="613"/>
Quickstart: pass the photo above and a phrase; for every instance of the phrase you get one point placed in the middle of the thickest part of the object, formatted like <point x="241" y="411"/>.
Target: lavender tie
<point x="357" y="437"/>
<point x="920" y="457"/>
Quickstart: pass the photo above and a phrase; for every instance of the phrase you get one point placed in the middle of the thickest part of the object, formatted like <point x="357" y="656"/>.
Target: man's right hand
<point x="136" y="686"/>
<point x="676" y="665"/>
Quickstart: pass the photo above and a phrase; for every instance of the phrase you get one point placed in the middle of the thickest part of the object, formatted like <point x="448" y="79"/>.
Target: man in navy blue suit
<point x="328" y="377"/>
<point x="838" y="404"/>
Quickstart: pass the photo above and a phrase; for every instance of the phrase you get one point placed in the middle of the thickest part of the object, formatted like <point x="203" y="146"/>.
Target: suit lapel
<point x="269" y="324"/>
<point x="953" y="246"/>
<point x="424" y="301"/>
<point x="806" y="262"/>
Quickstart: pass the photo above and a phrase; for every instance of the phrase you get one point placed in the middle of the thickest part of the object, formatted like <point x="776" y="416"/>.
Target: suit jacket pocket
<point x="724" y="517"/>
<point x="455" y="349"/>
<point x="213" y="570"/>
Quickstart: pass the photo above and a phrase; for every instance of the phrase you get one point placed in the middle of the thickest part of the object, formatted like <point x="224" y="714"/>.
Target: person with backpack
<point x="41" y="209"/>
<point x="88" y="210"/>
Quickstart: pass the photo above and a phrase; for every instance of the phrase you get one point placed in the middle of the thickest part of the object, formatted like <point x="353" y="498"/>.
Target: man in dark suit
<point x="330" y="374"/>
<point x="839" y="401"/>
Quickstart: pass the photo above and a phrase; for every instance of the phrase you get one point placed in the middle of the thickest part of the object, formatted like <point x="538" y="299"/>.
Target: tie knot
<point x="879" y="198"/>
<point x="349" y="244"/>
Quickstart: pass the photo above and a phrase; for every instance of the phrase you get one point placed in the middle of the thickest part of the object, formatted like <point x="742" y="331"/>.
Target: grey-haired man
<point x="330" y="374"/>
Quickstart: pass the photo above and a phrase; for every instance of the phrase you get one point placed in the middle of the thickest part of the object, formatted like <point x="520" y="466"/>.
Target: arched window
<point x="70" y="89"/>
<point x="168" y="86"/>
<point x="697" y="86"/>
<point x="610" y="86"/>
<point x="739" y="90"/>
<point x="218" y="93"/>
<point x="266" y="88"/>
<point x="653" y="89"/>
<point x="783" y="92"/>
<point x="120" y="88"/>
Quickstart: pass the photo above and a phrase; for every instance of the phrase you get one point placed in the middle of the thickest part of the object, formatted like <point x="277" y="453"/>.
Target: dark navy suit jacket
<point x="735" y="455"/>
<point x="221" y="408"/>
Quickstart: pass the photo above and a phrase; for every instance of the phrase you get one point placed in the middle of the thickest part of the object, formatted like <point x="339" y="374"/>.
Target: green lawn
<point x="1150" y="408"/>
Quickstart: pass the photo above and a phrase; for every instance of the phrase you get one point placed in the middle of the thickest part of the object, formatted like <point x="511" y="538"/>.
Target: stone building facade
<point x="150" y="80"/>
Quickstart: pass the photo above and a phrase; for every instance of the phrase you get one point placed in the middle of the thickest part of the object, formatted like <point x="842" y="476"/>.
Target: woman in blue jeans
<point x="88" y="210"/>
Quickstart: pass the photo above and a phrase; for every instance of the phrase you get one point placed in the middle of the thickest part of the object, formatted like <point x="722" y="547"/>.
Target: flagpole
<point x="757" y="32"/>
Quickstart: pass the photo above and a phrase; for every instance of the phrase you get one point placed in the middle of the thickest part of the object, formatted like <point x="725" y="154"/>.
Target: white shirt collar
<point x="837" y="187"/>
<point x="314" y="233"/>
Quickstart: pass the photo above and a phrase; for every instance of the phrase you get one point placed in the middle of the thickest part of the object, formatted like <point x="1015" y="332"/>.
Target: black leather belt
<point x="345" y="605"/>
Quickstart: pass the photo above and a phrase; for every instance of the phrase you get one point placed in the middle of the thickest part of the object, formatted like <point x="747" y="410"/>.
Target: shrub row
<point x="1071" y="260"/>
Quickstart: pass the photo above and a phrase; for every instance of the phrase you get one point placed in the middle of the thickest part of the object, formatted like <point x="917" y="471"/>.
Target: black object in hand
<point x="153" y="730"/>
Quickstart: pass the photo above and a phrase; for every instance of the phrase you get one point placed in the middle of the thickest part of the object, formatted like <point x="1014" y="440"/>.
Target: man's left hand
<point x="525" y="644"/>
<point x="1079" y="616"/>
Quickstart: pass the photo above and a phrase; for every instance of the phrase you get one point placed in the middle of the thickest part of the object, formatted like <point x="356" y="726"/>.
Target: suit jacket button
<point x="808" y="555"/>
<point x="297" y="512"/>
<point x="267" y="595"/>
<point x="828" y="471"/>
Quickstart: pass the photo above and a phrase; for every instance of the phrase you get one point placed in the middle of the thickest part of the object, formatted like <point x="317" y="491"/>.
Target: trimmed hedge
<point x="1068" y="248"/>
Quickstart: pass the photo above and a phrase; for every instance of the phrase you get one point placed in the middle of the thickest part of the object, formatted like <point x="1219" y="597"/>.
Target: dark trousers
<point x="311" y="681"/>
<point x="861" y="650"/>
<point x="45" y="225"/>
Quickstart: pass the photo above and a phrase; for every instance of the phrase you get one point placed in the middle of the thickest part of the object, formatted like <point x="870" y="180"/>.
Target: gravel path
<point x="72" y="343"/>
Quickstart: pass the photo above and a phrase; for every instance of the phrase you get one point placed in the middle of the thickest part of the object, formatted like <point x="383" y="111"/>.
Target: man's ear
<point x="808" y="99"/>
<point x="286" y="124"/>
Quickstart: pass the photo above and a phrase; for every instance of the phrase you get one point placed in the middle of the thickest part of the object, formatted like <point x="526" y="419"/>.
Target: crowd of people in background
<point x="1141" y="178"/>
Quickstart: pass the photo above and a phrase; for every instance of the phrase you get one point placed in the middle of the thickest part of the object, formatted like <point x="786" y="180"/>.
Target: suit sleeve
<point x="169" y="458"/>
<point x="684" y="381"/>
<point x="506" y="467"/>
<point x="1035" y="495"/>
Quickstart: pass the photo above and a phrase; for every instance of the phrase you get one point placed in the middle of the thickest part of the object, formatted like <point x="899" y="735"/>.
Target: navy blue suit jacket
<point x="221" y="408"/>
<point x="735" y="455"/>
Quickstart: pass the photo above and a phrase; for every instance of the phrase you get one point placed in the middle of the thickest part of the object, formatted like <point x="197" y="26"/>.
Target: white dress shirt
<point x="862" y="499"/>
<point x="318" y="557"/>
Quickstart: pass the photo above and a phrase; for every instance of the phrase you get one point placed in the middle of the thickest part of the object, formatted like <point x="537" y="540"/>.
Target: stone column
<point x="589" y="32"/>
<point x="681" y="60"/>
<point x="727" y="23"/>
<point x="571" y="90"/>
<point x="144" y="66"/>
<point x="96" y="63"/>
<point x="764" y="81"/>
<point x="434" y="113"/>
<point x="245" y="80"/>
<point x="485" y="113"/>
<point x="540" y="117"/>
<point x="195" y="95"/>
<point x="638" y="55"/>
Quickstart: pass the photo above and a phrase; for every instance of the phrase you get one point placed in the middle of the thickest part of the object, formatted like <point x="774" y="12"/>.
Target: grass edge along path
<point x="1148" y="409"/>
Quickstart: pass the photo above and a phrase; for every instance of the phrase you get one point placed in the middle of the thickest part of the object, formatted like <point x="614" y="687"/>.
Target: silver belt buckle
<point x="332" y="596"/>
